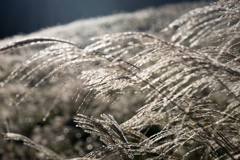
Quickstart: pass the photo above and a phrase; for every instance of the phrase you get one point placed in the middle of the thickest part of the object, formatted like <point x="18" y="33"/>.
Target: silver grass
<point x="191" y="87"/>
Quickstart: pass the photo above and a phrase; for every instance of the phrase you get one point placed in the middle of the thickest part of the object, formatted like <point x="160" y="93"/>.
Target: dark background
<point x="25" y="16"/>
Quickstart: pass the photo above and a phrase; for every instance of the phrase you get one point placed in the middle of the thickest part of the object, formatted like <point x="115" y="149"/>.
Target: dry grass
<point x="188" y="90"/>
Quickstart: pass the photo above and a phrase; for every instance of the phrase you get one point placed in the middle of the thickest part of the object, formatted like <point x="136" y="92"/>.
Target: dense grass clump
<point x="186" y="92"/>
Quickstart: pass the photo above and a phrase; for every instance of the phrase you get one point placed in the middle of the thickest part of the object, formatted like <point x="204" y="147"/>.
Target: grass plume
<point x="191" y="86"/>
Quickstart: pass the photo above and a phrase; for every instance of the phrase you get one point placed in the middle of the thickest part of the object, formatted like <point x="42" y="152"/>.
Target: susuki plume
<point x="191" y="86"/>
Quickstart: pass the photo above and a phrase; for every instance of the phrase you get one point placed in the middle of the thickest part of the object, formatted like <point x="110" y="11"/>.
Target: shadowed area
<point x="28" y="16"/>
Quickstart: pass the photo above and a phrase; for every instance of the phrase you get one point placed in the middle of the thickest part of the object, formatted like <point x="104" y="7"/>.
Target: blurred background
<point x="26" y="16"/>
